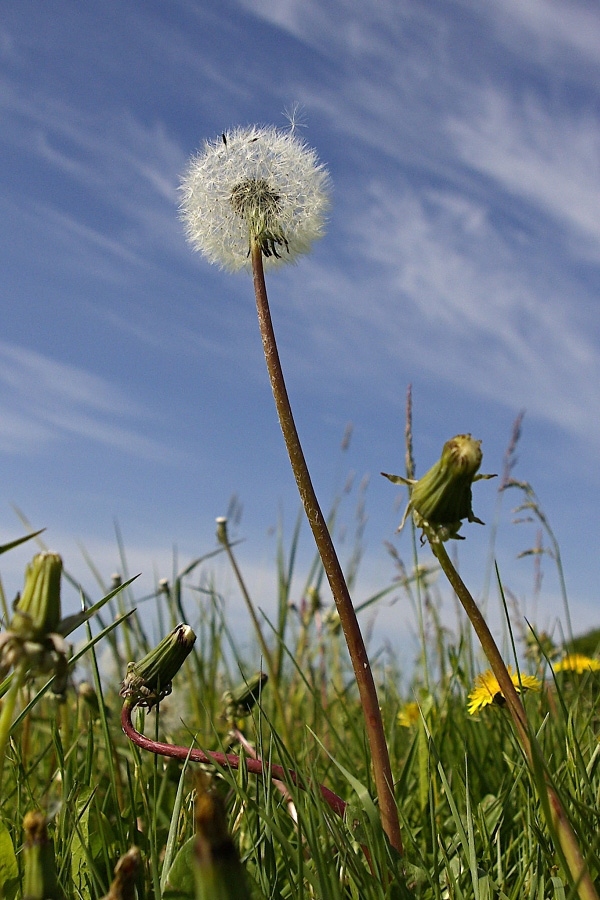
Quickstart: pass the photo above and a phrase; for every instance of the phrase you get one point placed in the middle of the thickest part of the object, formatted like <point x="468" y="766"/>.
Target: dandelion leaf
<point x="8" y="864"/>
<point x="180" y="880"/>
<point x="80" y="869"/>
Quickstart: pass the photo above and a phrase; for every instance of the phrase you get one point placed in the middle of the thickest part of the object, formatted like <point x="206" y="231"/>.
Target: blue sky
<point x="462" y="256"/>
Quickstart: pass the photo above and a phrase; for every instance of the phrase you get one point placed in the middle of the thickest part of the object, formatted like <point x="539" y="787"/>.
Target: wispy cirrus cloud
<point x="464" y="305"/>
<point x="478" y="200"/>
<point x="129" y="168"/>
<point x="43" y="401"/>
<point x="549" y="30"/>
<point x="549" y="158"/>
<point x="441" y="290"/>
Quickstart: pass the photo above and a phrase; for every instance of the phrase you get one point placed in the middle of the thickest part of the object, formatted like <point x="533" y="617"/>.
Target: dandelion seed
<point x="487" y="690"/>
<point x="254" y="185"/>
<point x="578" y="663"/>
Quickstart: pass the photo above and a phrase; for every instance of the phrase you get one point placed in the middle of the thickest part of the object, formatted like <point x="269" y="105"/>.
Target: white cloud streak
<point x="455" y="157"/>
<point x="484" y="201"/>
<point x="128" y="166"/>
<point x="552" y="160"/>
<point x="549" y="30"/>
<point x="43" y="401"/>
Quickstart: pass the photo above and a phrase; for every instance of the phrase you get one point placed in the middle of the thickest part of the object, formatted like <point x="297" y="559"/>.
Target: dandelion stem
<point x="225" y="760"/>
<point x="559" y="821"/>
<point x="486" y="640"/>
<point x="333" y="570"/>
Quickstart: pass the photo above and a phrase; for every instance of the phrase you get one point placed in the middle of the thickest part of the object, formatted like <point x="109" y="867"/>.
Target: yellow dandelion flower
<point x="487" y="690"/>
<point x="409" y="715"/>
<point x="577" y="662"/>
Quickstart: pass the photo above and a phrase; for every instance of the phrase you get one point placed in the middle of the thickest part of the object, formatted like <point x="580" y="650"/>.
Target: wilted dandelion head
<point x="254" y="185"/>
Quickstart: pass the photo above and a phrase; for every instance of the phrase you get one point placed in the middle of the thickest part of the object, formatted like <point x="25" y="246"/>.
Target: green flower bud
<point x="240" y="702"/>
<point x="90" y="698"/>
<point x="126" y="872"/>
<point x="443" y="495"/>
<point x="442" y="498"/>
<point x="37" y="612"/>
<point x="149" y="681"/>
<point x="222" y="535"/>
<point x="35" y="636"/>
<point x="218" y="871"/>
<point x="39" y="864"/>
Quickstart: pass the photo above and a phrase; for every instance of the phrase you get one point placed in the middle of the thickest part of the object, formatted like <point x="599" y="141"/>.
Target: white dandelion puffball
<point x="254" y="185"/>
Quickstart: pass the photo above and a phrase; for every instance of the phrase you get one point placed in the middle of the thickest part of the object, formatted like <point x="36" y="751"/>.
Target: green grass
<point x="472" y="823"/>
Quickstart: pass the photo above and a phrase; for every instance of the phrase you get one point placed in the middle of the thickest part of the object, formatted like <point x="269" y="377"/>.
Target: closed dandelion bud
<point x="217" y="868"/>
<point x="39" y="865"/>
<point x="90" y="698"/>
<point x="147" y="682"/>
<point x="442" y="498"/>
<point x="126" y="872"/>
<point x="38" y="611"/>
<point x="313" y="598"/>
<point x="240" y="702"/>
<point x="443" y="495"/>
<point x="35" y="639"/>
<point x="222" y="536"/>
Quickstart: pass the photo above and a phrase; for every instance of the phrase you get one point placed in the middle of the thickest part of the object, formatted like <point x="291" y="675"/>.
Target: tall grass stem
<point x="264" y="648"/>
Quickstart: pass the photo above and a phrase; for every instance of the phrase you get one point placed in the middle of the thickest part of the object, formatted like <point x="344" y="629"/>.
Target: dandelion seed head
<point x="254" y="185"/>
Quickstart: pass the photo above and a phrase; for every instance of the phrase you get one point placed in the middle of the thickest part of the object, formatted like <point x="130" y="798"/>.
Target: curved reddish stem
<point x="227" y="760"/>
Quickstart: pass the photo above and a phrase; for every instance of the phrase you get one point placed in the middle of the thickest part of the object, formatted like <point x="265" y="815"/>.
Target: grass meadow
<point x="470" y="809"/>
